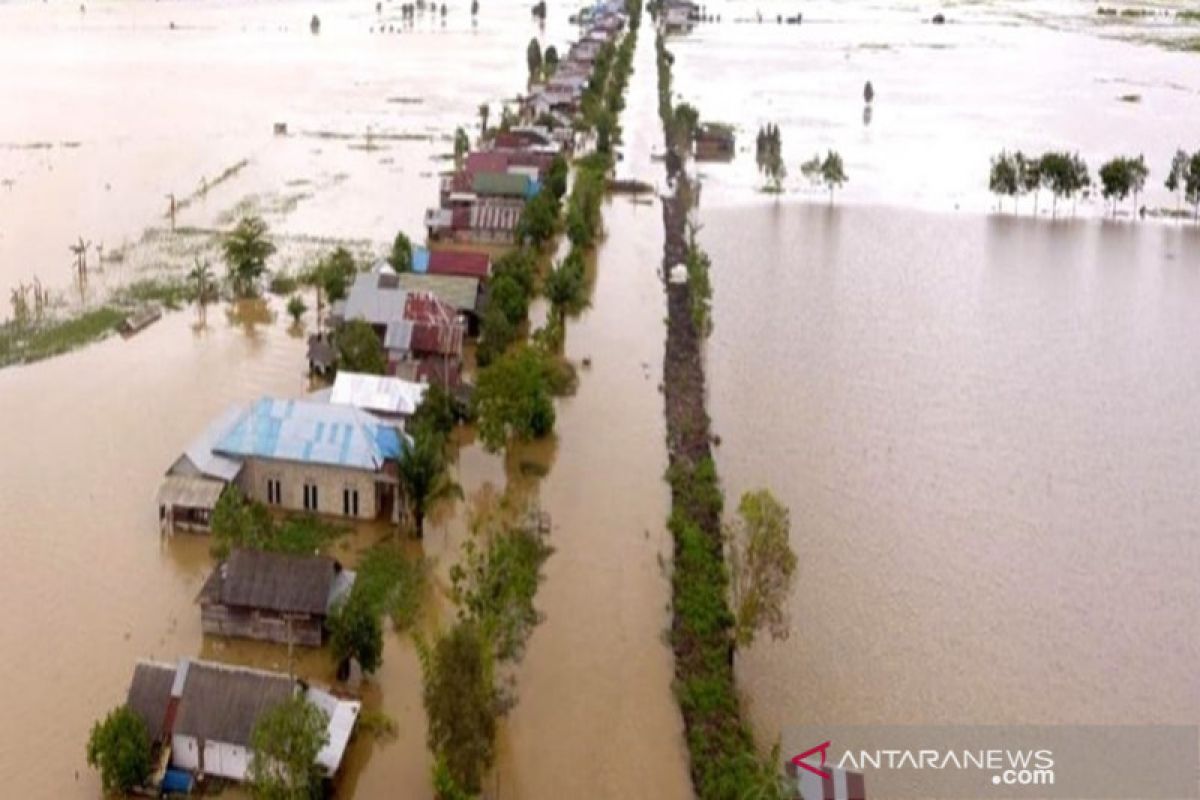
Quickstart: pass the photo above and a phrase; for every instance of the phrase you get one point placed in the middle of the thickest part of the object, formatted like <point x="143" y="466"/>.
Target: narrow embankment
<point x="724" y="763"/>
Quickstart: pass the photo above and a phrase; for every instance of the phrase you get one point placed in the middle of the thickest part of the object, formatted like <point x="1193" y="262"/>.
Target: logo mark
<point x="802" y="764"/>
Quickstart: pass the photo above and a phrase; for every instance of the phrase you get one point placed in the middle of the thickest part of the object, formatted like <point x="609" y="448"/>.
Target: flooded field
<point x="998" y="75"/>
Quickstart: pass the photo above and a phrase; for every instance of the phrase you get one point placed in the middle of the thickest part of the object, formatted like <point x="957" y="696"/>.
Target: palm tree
<point x="201" y="276"/>
<point x="424" y="475"/>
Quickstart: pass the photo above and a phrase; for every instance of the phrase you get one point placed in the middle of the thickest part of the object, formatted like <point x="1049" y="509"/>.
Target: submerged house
<point x="295" y="455"/>
<point x="201" y="715"/>
<point x="714" y="142"/>
<point x="414" y="326"/>
<point x="273" y="597"/>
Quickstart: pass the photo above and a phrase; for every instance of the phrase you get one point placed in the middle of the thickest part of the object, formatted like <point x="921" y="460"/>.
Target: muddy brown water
<point x="986" y="431"/>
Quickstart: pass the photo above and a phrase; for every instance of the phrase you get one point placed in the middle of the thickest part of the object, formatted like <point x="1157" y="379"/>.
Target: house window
<point x="350" y="502"/>
<point x="274" y="491"/>
<point x="310" y="497"/>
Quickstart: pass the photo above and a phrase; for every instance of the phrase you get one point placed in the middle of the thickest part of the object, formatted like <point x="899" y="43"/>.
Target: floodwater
<point x="984" y="425"/>
<point x="985" y="429"/>
<point x="85" y="437"/>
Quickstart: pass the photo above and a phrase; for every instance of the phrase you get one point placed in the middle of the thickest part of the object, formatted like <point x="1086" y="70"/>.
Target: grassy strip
<point x="26" y="343"/>
<point x="725" y="764"/>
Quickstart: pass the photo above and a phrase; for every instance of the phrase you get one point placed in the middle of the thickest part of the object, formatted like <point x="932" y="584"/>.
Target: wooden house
<point x="272" y="597"/>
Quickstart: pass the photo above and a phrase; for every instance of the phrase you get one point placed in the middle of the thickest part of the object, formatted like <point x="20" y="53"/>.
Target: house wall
<point x="330" y="483"/>
<point x="220" y="758"/>
<point x="221" y="620"/>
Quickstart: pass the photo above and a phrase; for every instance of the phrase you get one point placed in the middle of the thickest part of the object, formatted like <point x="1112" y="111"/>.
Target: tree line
<point x="1066" y="175"/>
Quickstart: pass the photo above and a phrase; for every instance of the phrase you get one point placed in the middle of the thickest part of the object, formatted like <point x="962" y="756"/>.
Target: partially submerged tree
<point x="513" y="398"/>
<point x="1004" y="179"/>
<point x="400" y="256"/>
<point x="1191" y="185"/>
<point x="483" y="118"/>
<point x="1116" y="181"/>
<point x="762" y="567"/>
<point x="533" y="59"/>
<point x="355" y="632"/>
<point x="285" y="743"/>
<point x="1029" y="176"/>
<point x="461" y="705"/>
<point x="119" y="747"/>
<point x="247" y="248"/>
<point x="296" y="308"/>
<point x="833" y="173"/>
<point x="1176" y="177"/>
<point x="539" y="219"/>
<point x="868" y="93"/>
<point x="550" y="61"/>
<point x="359" y="348"/>
<point x="565" y="287"/>
<point x="424" y="475"/>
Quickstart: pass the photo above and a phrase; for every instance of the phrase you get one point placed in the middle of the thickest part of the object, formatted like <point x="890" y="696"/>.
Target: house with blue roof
<point x="293" y="455"/>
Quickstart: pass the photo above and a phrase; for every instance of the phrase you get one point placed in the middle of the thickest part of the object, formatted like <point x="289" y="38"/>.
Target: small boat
<point x="140" y="320"/>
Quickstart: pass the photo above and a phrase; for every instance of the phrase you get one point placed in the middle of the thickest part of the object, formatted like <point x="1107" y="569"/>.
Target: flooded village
<point x="447" y="401"/>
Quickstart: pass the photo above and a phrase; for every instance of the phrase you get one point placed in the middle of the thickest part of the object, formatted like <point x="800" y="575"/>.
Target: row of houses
<point x="335" y="451"/>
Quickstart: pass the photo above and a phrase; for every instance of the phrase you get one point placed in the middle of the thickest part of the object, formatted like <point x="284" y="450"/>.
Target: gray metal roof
<point x="272" y="582"/>
<point x="224" y="703"/>
<point x="149" y="694"/>
<point x="199" y="458"/>
<point x="373" y="300"/>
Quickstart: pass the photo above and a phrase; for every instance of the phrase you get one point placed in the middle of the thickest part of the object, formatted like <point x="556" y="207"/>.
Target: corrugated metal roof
<point x="190" y="492"/>
<point x="380" y="393"/>
<point x="149" y="694"/>
<point x="372" y="300"/>
<point x="277" y="582"/>
<point x="398" y="335"/>
<point x="200" y="455"/>
<point x="225" y="703"/>
<point x="307" y="432"/>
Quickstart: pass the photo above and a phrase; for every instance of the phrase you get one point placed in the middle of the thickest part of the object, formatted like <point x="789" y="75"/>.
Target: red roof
<point x="443" y="339"/>
<point x="457" y="262"/>
<point x="487" y="161"/>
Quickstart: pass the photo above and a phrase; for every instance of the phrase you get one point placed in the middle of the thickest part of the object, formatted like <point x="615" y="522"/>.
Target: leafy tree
<point x="425" y="475"/>
<point x="355" y="632"/>
<point x="1116" y="181"/>
<point x="462" y="144"/>
<point x="474" y="7"/>
<point x="868" y="93"/>
<point x="461" y="705"/>
<point x="359" y="348"/>
<point x="400" y="257"/>
<point x="1058" y="175"/>
<point x="556" y="177"/>
<point x="539" y="10"/>
<point x="565" y="287"/>
<point x="483" y="118"/>
<point x="539" y="219"/>
<point x="508" y="295"/>
<point x="513" y="398"/>
<point x="247" y="248"/>
<point x="1176" y="177"/>
<point x="285" y="743"/>
<point x="762" y="567"/>
<point x="120" y="748"/>
<point x="296" y="308"/>
<point x="1191" y="185"/>
<point x="686" y="123"/>
<point x="533" y="58"/>
<point x="334" y="273"/>
<point x="496" y="333"/>
<point x="1004" y="179"/>
<point x="832" y="172"/>
<point x="550" y="61"/>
